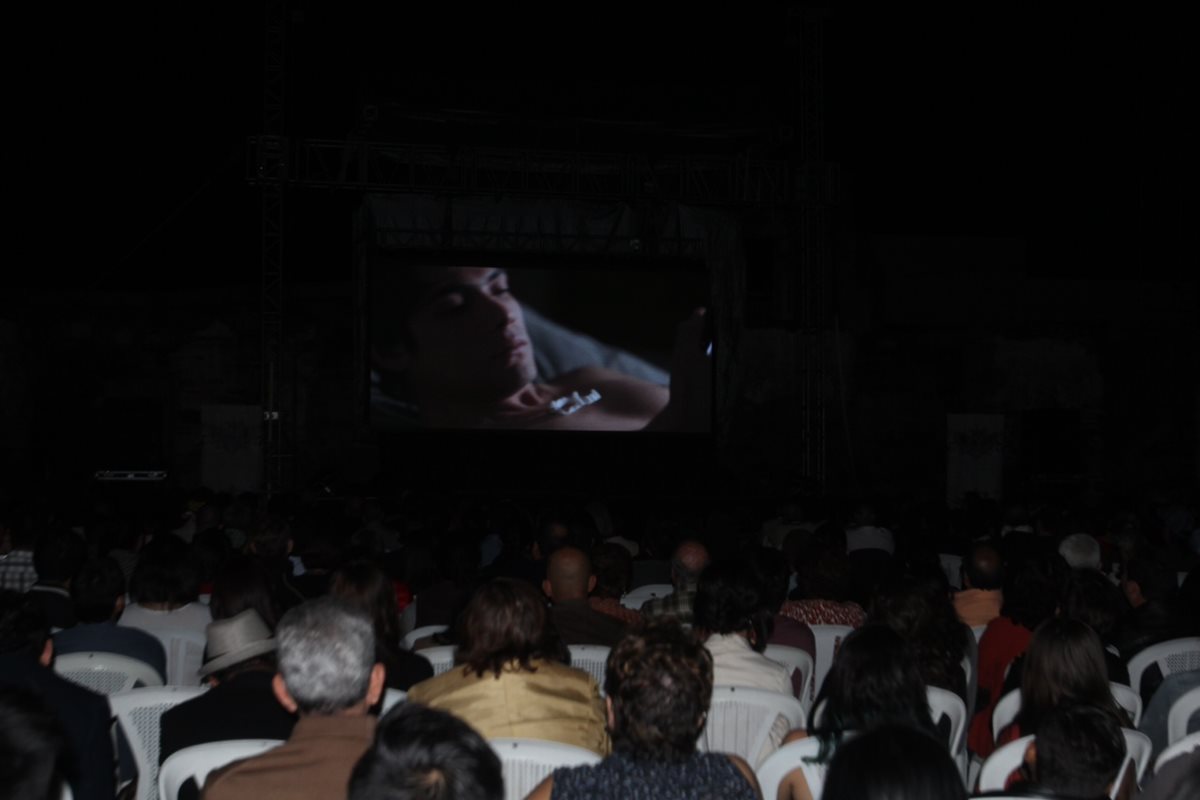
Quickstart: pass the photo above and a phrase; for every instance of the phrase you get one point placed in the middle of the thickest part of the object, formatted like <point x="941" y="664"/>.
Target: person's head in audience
<point x="1148" y="579"/>
<point x="1064" y="664"/>
<point x="326" y="660"/>
<point x="613" y="568"/>
<point x="1078" y="752"/>
<point x="98" y="591"/>
<point x="210" y="549"/>
<point x="57" y="555"/>
<point x="237" y="644"/>
<point x="773" y="575"/>
<point x="874" y="681"/>
<point x="1092" y="599"/>
<point x="893" y="762"/>
<point x="422" y="753"/>
<point x="240" y="585"/>
<point x="568" y="575"/>
<point x="506" y="622"/>
<point x="1080" y="551"/>
<point x="729" y="600"/>
<point x="983" y="568"/>
<point x="1031" y="597"/>
<point x="920" y="610"/>
<point x="687" y="562"/>
<point x="32" y="747"/>
<point x="24" y="631"/>
<point x="271" y="541"/>
<point x="363" y="585"/>
<point x="824" y="572"/>
<point x="658" y="683"/>
<point x="164" y="578"/>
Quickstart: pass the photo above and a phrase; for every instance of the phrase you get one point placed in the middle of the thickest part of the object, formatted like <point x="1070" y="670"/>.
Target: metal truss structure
<point x="801" y="190"/>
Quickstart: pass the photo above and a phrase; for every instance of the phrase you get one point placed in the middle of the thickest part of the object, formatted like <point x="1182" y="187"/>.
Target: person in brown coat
<point x="328" y="674"/>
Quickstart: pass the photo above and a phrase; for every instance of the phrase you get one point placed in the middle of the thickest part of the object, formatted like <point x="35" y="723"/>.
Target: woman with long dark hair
<point x="874" y="682"/>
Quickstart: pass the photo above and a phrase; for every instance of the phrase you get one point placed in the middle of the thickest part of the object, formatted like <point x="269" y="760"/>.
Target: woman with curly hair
<point x="659" y="685"/>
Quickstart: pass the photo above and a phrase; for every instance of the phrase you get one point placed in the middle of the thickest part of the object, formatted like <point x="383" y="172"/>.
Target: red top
<point x="1002" y="642"/>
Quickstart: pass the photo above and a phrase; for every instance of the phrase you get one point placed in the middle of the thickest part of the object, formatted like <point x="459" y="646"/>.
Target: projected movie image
<point x="484" y="346"/>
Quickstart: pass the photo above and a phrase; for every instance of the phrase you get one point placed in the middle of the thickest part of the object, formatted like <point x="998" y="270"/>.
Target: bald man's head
<point x="568" y="575"/>
<point x="983" y="568"/>
<point x="688" y="561"/>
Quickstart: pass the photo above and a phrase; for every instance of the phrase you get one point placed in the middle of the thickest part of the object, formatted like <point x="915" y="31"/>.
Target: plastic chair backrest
<point x="952" y="566"/>
<point x="442" y="658"/>
<point x="828" y="639"/>
<point x="740" y="720"/>
<point x="392" y="697"/>
<point x="637" y="597"/>
<point x="1175" y="655"/>
<point x="526" y="762"/>
<point x="1129" y="700"/>
<point x="1139" y="748"/>
<point x="795" y="659"/>
<point x="106" y="673"/>
<point x="198" y="761"/>
<point x="1001" y="763"/>
<point x="1180" y="714"/>
<point x="138" y="712"/>
<point x="1005" y="712"/>
<point x="948" y="704"/>
<point x="1185" y="745"/>
<point x="185" y="654"/>
<point x="592" y="659"/>
<point x="798" y="755"/>
<point x="414" y="636"/>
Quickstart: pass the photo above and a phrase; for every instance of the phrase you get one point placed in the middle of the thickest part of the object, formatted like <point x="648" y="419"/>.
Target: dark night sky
<point x="130" y="127"/>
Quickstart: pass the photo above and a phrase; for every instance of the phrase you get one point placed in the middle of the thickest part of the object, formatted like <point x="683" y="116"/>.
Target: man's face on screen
<point x="467" y="335"/>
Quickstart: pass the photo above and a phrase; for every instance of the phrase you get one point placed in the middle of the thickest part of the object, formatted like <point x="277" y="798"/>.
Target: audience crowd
<point x="294" y="614"/>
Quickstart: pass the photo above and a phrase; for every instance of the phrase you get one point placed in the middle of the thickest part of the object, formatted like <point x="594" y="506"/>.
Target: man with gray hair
<point x="1081" y="551"/>
<point x="326" y="672"/>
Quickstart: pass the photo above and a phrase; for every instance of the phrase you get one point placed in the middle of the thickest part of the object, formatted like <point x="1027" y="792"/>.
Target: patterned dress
<point x="703" y="776"/>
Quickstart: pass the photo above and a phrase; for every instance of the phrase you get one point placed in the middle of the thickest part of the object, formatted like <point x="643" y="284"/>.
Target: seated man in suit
<point x="569" y="579"/>
<point x="328" y="675"/>
<point x="26" y="655"/>
<point x="98" y="592"/>
<point x="241" y="703"/>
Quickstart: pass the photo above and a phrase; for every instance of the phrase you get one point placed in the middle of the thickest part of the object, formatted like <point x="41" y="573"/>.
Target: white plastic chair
<point x="952" y="566"/>
<point x="1180" y="714"/>
<point x="795" y="659"/>
<point x="828" y="639"/>
<point x="106" y="673"/>
<point x="1001" y="763"/>
<point x="392" y="697"/>
<point x="637" y="597"/>
<point x="592" y="659"/>
<point x="740" y="720"/>
<point x="1005" y="712"/>
<point x="948" y="704"/>
<point x="138" y="712"/>
<point x="1127" y="699"/>
<point x="185" y="654"/>
<point x="527" y="762"/>
<point x="1138" y="747"/>
<point x="414" y="636"/>
<point x="794" y="756"/>
<point x="1175" y="655"/>
<point x="1185" y="745"/>
<point x="198" y="761"/>
<point x="442" y="657"/>
<point x="1010" y="705"/>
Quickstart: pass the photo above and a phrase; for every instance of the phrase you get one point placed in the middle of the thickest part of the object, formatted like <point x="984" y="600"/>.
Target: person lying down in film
<point x="455" y="345"/>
